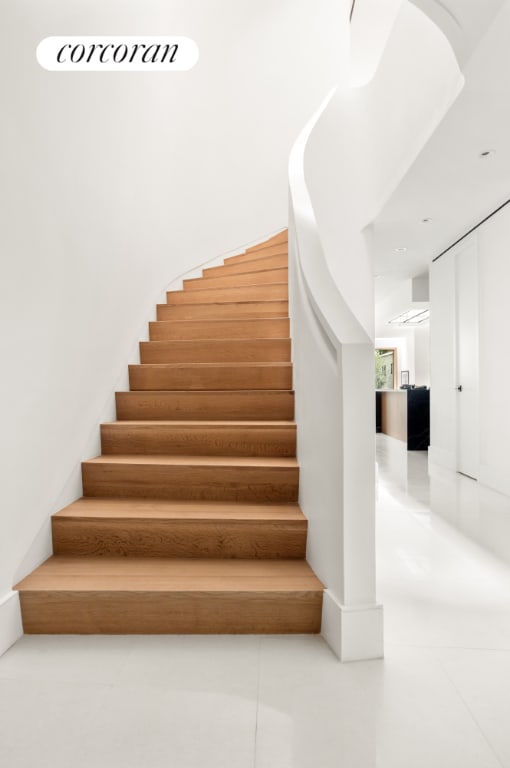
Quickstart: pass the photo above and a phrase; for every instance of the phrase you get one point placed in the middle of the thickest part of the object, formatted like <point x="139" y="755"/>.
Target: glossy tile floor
<point x="440" y="699"/>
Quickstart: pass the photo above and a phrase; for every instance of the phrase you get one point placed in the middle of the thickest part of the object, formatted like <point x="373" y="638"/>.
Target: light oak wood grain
<point x="125" y="612"/>
<point x="186" y="532"/>
<point x="234" y="478"/>
<point x="394" y="414"/>
<point x="216" y="351"/>
<point x="270" y="292"/>
<point x="223" y="310"/>
<point x="210" y="376"/>
<point x="280" y="260"/>
<point x="252" y="328"/>
<point x="243" y="404"/>
<point x="268" y="276"/>
<point x="199" y="438"/>
<point x="250" y="257"/>
<point x="189" y="520"/>
<point x="159" y="509"/>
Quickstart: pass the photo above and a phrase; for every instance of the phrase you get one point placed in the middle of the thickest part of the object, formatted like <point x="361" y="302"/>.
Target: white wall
<point x="494" y="365"/>
<point x="491" y="241"/>
<point x="113" y="185"/>
<point x="443" y="404"/>
<point x="422" y="355"/>
<point x="367" y="139"/>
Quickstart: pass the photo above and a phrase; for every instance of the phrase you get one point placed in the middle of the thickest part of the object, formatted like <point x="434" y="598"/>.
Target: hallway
<point x="440" y="698"/>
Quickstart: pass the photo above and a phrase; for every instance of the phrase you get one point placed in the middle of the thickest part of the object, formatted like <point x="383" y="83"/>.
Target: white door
<point x="466" y="310"/>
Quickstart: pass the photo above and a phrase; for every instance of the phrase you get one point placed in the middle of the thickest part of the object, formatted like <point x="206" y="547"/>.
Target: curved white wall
<point x="342" y="169"/>
<point x="367" y="139"/>
<point x="113" y="185"/>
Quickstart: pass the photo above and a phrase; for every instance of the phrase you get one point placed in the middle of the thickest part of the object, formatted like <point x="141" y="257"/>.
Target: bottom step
<point x="103" y="595"/>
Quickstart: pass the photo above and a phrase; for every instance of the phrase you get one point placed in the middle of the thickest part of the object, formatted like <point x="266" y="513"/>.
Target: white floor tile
<point x="400" y="712"/>
<point x="66" y="658"/>
<point x="226" y="663"/>
<point x="153" y="727"/>
<point x="45" y="724"/>
<point x="439" y="699"/>
<point x="482" y="679"/>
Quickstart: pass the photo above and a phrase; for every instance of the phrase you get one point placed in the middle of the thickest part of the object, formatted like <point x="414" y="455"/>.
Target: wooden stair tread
<point x="267" y="270"/>
<point x="149" y="574"/>
<point x="219" y="321"/>
<point x="234" y="287"/>
<point x="251" y="256"/>
<point x="283" y="462"/>
<point x="256" y="309"/>
<point x="218" y="328"/>
<point x="243" y="267"/>
<point x="268" y="276"/>
<point x="281" y="237"/>
<point x="201" y="423"/>
<point x="211" y="365"/>
<point x="275" y="291"/>
<point x="216" y="392"/>
<point x="156" y="509"/>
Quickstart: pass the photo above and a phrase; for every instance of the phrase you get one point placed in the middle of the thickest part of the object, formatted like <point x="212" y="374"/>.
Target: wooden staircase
<point x="189" y="521"/>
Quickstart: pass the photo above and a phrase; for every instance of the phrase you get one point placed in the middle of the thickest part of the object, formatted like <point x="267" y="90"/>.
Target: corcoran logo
<point x="117" y="54"/>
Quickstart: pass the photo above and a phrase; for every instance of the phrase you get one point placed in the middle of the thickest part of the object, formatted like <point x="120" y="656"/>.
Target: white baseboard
<point x="11" y="628"/>
<point x="353" y="633"/>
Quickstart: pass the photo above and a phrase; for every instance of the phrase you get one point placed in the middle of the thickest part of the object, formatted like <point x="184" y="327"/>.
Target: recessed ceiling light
<point x="400" y="250"/>
<point x="487" y="153"/>
<point x="426" y="221"/>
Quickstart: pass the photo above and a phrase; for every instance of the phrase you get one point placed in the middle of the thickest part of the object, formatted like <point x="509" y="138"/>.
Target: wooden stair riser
<point x="265" y="277"/>
<point x="258" y="253"/>
<point x="179" y="538"/>
<point x="194" y="439"/>
<point x="210" y="377"/>
<point x="281" y="237"/>
<point x="121" y="612"/>
<point x="270" y="292"/>
<point x="280" y="261"/>
<point x="188" y="330"/>
<point x="199" y="482"/>
<point x="216" y="351"/>
<point x="243" y="405"/>
<point x="224" y="311"/>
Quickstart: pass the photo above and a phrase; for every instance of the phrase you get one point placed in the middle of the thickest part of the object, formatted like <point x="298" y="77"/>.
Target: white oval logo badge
<point x="117" y="54"/>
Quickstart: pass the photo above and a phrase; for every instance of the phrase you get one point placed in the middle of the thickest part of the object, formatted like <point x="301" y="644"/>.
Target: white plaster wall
<point x="494" y="271"/>
<point x="366" y="140"/>
<point x="491" y="241"/>
<point x="443" y="404"/>
<point x="112" y="186"/>
<point x="422" y="355"/>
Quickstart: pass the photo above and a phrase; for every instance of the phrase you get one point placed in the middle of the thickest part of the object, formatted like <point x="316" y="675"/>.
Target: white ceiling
<point x="449" y="183"/>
